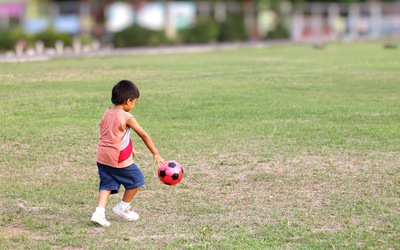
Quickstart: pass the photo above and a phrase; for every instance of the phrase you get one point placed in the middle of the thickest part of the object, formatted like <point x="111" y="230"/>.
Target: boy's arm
<point x="146" y="139"/>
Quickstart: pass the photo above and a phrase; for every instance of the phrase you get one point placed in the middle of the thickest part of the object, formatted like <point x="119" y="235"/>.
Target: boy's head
<point x="123" y="91"/>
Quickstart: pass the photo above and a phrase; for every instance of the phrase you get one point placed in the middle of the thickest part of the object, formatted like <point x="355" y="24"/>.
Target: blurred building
<point x="305" y="22"/>
<point x="82" y="15"/>
<point x="333" y="21"/>
<point x="34" y="16"/>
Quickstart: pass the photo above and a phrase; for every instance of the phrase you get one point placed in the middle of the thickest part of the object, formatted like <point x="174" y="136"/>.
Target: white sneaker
<point x="128" y="214"/>
<point x="100" y="220"/>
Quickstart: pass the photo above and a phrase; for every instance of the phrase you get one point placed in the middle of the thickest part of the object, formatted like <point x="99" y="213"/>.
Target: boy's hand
<point x="134" y="152"/>
<point x="158" y="160"/>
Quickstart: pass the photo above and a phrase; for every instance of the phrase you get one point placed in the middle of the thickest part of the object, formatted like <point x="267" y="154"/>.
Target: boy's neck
<point x="120" y="107"/>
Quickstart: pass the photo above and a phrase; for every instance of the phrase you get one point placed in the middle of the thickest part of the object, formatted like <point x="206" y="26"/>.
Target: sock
<point x="124" y="205"/>
<point x="100" y="210"/>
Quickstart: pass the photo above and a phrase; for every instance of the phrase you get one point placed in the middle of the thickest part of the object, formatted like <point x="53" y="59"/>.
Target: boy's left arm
<point x="146" y="139"/>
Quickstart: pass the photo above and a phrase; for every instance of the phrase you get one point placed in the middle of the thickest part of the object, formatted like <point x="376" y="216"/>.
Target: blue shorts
<point x="112" y="178"/>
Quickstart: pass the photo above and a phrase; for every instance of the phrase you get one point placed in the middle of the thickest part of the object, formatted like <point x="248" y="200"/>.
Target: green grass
<point x="284" y="147"/>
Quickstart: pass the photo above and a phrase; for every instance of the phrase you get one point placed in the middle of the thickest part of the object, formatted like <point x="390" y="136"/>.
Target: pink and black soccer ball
<point x="170" y="173"/>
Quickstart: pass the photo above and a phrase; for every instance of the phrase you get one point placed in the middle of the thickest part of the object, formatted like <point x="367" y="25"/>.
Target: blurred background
<point x="51" y="26"/>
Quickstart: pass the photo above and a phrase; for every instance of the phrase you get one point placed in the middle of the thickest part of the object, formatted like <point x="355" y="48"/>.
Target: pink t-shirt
<point x="115" y="145"/>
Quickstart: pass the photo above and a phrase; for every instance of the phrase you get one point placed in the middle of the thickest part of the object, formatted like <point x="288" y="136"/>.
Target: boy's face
<point x="130" y="104"/>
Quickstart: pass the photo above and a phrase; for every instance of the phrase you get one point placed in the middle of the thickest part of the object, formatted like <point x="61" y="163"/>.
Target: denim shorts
<point x="112" y="178"/>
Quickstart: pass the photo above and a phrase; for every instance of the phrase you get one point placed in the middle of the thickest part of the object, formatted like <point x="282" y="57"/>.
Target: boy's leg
<point x="99" y="216"/>
<point x="131" y="178"/>
<point x="103" y="198"/>
<point x="123" y="209"/>
<point x="129" y="194"/>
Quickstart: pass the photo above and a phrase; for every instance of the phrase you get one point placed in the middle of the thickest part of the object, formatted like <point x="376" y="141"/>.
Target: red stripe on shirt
<point x="125" y="153"/>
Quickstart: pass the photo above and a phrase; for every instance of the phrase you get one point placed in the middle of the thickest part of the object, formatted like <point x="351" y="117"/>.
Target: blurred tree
<point x="277" y="8"/>
<point x="337" y="1"/>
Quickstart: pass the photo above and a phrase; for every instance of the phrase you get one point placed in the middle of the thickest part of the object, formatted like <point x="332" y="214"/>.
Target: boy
<point x="115" y="154"/>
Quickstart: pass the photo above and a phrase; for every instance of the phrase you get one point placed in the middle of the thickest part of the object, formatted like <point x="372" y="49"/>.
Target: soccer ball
<point x="171" y="173"/>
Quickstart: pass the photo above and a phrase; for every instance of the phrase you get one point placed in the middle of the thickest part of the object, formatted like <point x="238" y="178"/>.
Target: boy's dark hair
<point x="123" y="91"/>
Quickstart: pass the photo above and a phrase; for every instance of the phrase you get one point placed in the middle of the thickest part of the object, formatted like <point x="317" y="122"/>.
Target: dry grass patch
<point x="12" y="231"/>
<point x="322" y="193"/>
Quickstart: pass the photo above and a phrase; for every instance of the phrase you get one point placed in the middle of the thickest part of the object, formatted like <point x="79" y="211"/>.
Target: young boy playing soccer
<point x="115" y="154"/>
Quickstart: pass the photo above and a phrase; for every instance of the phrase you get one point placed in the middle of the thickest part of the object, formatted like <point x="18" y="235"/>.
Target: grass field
<point x="284" y="147"/>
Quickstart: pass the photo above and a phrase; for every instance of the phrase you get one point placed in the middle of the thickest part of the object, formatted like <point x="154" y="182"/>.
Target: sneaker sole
<point x="99" y="224"/>
<point x="123" y="217"/>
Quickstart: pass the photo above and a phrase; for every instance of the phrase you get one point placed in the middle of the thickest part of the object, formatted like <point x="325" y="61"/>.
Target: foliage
<point x="204" y="31"/>
<point x="6" y="43"/>
<point x="329" y="1"/>
<point x="139" y="36"/>
<point x="9" y="38"/>
<point x="233" y="29"/>
<point x="280" y="32"/>
<point x="50" y="37"/>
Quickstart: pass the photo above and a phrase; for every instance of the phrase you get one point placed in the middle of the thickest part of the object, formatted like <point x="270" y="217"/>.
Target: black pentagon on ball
<point x="171" y="164"/>
<point x="162" y="173"/>
<point x="175" y="176"/>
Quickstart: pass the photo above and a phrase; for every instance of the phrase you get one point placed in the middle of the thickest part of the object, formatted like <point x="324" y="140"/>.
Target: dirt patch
<point x="9" y="232"/>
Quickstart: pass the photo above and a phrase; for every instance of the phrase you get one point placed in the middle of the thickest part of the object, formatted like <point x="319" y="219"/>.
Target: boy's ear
<point x="130" y="100"/>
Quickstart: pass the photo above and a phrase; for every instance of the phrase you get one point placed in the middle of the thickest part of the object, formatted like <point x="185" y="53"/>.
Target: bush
<point x="49" y="38"/>
<point x="280" y="32"/>
<point x="204" y="31"/>
<point x="139" y="36"/>
<point x="233" y="29"/>
<point x="9" y="38"/>
<point x="6" y="43"/>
